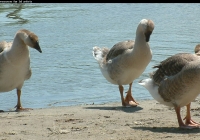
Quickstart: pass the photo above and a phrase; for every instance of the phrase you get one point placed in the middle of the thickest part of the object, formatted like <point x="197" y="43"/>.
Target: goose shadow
<point x="176" y="130"/>
<point x="118" y="108"/>
<point x="10" y="111"/>
<point x="7" y="111"/>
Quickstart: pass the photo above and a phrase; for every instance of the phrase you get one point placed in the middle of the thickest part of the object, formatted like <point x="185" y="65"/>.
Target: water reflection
<point x="15" y="15"/>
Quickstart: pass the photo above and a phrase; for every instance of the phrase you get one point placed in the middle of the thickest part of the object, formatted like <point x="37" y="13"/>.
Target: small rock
<point x="64" y="131"/>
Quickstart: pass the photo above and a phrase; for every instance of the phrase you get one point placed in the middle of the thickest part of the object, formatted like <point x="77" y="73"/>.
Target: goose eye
<point x="30" y="37"/>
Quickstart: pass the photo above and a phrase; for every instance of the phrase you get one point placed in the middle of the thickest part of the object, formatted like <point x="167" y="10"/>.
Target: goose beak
<point x="147" y="35"/>
<point x="37" y="47"/>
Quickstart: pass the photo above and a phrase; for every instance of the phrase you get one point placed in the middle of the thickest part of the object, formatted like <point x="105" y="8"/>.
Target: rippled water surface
<point x="66" y="72"/>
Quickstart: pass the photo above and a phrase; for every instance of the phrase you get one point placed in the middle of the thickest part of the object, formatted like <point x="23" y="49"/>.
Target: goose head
<point x="30" y="39"/>
<point x="197" y="49"/>
<point x="146" y="27"/>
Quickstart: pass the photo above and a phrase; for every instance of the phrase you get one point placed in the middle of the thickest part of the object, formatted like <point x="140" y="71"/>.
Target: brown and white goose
<point x="176" y="83"/>
<point x="15" y="62"/>
<point x="126" y="60"/>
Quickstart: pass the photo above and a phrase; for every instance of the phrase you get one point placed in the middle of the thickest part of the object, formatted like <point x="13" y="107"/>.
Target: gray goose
<point x="15" y="62"/>
<point x="175" y="83"/>
<point x="126" y="60"/>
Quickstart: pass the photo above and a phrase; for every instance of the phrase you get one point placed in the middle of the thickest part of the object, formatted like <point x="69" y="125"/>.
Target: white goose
<point x="15" y="62"/>
<point x="126" y="60"/>
<point x="176" y="84"/>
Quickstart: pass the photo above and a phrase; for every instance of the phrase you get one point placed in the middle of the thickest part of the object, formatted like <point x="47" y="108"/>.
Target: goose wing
<point x="4" y="44"/>
<point x="170" y="72"/>
<point x="171" y="66"/>
<point x="119" y="49"/>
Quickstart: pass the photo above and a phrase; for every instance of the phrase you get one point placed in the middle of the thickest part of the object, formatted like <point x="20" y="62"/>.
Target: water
<point x="66" y="73"/>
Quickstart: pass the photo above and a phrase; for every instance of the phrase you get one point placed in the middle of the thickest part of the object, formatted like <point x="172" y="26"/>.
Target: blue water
<point x="66" y="73"/>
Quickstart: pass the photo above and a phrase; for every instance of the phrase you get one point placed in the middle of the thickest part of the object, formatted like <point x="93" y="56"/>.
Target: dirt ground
<point x="148" y="121"/>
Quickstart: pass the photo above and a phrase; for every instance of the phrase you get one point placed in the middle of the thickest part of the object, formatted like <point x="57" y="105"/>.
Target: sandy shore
<point x="149" y="121"/>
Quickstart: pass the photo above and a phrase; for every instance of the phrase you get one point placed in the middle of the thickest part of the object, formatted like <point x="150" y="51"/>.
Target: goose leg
<point x="19" y="105"/>
<point x="180" y="121"/>
<point x="129" y="98"/>
<point x="121" y="90"/>
<point x="188" y="120"/>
